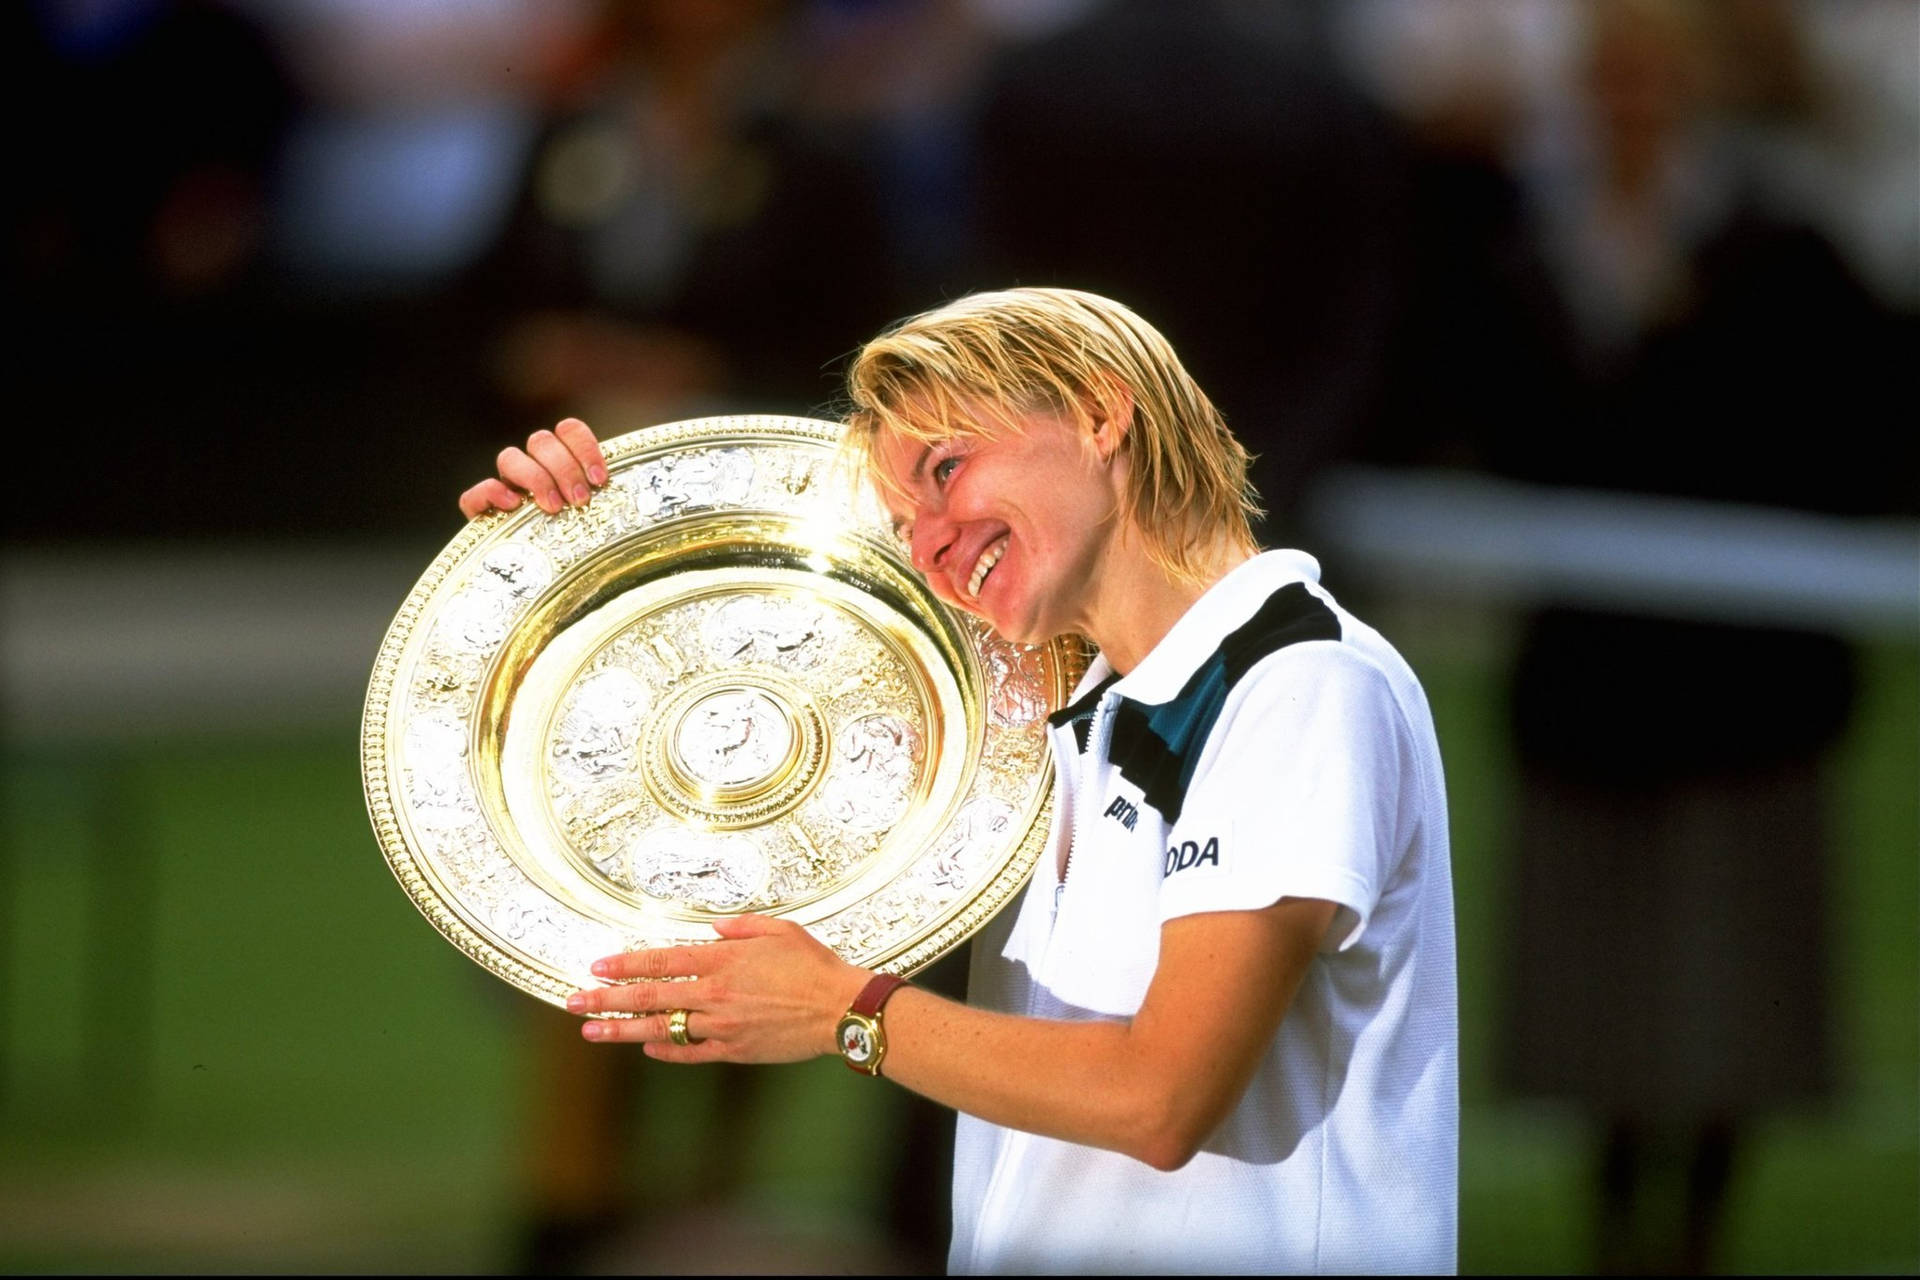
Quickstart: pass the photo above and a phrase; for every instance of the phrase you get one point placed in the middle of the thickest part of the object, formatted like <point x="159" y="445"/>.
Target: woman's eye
<point x="944" y="468"/>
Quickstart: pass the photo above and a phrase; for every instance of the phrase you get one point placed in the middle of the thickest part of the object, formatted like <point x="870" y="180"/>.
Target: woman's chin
<point x="1017" y="631"/>
<point x="997" y="610"/>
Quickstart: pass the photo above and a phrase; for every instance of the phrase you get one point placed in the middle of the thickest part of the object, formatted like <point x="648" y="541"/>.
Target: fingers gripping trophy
<point x="715" y="732"/>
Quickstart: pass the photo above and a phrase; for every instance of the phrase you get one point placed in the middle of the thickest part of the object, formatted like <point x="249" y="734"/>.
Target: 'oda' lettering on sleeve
<point x="1189" y="854"/>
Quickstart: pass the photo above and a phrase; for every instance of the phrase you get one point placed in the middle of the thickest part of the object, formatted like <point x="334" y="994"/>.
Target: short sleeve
<point x="1296" y="794"/>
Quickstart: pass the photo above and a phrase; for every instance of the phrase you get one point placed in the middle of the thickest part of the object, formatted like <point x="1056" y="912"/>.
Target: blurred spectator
<point x="209" y="371"/>
<point x="1670" y="969"/>
<point x="685" y="238"/>
<point x="1479" y="345"/>
<point x="136" y="229"/>
<point x="153" y="185"/>
<point x="1834" y="91"/>
<point x="441" y="223"/>
<point x="418" y="118"/>
<point x="1198" y="162"/>
<point x="902" y="79"/>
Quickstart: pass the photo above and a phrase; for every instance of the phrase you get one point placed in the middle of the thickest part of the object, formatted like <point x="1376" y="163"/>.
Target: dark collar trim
<point x="1083" y="705"/>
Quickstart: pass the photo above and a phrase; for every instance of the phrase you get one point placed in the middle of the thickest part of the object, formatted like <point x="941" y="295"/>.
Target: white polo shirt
<point x="1270" y="746"/>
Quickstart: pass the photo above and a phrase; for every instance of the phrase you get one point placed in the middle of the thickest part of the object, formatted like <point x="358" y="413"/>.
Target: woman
<point x="1218" y="1033"/>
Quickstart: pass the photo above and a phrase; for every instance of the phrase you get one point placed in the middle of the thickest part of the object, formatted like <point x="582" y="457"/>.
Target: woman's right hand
<point x="557" y="468"/>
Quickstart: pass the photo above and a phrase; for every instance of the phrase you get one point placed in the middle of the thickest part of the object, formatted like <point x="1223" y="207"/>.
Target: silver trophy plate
<point x="717" y="688"/>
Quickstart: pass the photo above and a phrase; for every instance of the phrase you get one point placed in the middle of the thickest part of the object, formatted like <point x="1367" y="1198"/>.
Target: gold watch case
<point x="719" y="687"/>
<point x="863" y="1041"/>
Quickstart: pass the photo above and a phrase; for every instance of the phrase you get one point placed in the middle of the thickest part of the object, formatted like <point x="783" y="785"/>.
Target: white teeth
<point x="984" y="565"/>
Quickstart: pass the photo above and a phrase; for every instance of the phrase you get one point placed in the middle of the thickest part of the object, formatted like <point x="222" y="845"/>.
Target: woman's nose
<point x="932" y="537"/>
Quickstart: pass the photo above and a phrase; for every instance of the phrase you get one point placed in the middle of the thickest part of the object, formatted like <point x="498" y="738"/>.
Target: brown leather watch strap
<point x="875" y="993"/>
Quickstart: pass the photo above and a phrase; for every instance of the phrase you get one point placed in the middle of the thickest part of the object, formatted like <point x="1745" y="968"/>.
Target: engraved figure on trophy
<point x="434" y="755"/>
<point x="1016" y="692"/>
<point x="480" y="615"/>
<point x="596" y="735"/>
<point x="475" y="621"/>
<point x="691" y="481"/>
<point x="517" y="919"/>
<point x="592" y="757"/>
<point x="979" y="825"/>
<point x="734" y="738"/>
<point x="515" y="570"/>
<point x="759" y="628"/>
<point x="710" y="870"/>
<point x="873" y="773"/>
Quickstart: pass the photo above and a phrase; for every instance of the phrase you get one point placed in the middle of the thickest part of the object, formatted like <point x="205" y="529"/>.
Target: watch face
<point x="856" y="1041"/>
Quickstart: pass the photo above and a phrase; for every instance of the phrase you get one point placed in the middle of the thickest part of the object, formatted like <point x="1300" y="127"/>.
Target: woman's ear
<point x="1112" y="419"/>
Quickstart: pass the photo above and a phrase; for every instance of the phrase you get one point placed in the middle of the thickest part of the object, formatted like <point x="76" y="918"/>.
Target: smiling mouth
<point x="984" y="566"/>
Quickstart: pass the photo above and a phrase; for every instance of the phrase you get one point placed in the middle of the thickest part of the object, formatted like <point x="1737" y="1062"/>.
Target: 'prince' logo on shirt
<point x="1190" y="853"/>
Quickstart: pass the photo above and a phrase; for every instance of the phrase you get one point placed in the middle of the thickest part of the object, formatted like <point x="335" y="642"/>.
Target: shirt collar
<point x="1226" y="605"/>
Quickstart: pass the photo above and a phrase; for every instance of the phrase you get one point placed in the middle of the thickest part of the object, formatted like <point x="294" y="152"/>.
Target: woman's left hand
<point x="767" y="991"/>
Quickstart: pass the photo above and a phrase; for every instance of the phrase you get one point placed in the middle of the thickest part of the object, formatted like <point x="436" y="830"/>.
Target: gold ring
<point x="677" y="1027"/>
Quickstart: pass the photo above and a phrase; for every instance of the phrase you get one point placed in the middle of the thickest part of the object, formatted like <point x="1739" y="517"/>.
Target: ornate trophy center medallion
<point x="735" y="738"/>
<point x="730" y="755"/>
<point x="716" y="688"/>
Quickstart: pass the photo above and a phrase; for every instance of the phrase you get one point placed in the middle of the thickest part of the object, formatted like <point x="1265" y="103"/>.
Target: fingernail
<point x="593" y="1030"/>
<point x="597" y="473"/>
<point x="600" y="968"/>
<point x="580" y="494"/>
<point x="576" y="1003"/>
<point x="550" y="503"/>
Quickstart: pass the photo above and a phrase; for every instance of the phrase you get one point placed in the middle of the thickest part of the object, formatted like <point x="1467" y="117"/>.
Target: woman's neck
<point x="1140" y="602"/>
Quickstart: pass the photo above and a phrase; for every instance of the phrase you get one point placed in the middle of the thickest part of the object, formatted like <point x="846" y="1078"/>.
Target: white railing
<point x="1497" y="542"/>
<point x="139" y="641"/>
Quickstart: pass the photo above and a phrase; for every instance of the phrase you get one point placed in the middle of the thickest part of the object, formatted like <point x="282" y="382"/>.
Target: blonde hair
<point x="971" y="366"/>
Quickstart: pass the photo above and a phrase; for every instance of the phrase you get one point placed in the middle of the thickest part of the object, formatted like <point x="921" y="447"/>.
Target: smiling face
<point x="1055" y="466"/>
<point x="1016" y="526"/>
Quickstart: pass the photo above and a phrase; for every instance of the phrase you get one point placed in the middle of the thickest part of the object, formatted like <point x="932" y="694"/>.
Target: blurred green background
<point x="231" y="1043"/>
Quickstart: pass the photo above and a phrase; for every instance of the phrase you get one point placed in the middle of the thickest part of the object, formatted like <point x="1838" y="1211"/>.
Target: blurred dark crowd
<point x="291" y="267"/>
<point x="297" y="269"/>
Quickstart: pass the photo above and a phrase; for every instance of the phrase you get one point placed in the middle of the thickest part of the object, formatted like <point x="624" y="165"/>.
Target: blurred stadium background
<point x="1574" y="339"/>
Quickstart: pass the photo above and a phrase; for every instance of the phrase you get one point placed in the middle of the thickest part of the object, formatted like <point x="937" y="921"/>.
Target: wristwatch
<point x="861" y="1035"/>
